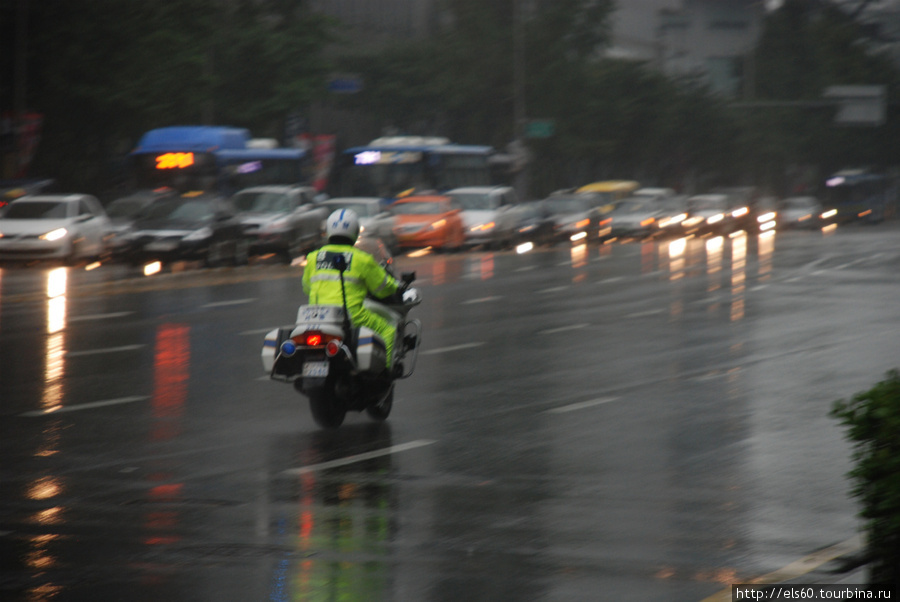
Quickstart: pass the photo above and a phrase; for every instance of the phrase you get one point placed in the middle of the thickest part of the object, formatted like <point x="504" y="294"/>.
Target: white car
<point x="68" y="227"/>
<point x="491" y="214"/>
<point x="655" y="194"/>
<point x="375" y="220"/>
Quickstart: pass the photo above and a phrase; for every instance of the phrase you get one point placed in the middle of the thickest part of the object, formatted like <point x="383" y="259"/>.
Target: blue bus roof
<point x="192" y="138"/>
<point x="256" y="154"/>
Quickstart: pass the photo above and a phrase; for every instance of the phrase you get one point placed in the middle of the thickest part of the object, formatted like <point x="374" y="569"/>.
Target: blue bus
<point x="860" y="195"/>
<point x="214" y="159"/>
<point x="391" y="166"/>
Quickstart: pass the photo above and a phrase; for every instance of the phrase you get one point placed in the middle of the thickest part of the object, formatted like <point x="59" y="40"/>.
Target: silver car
<point x="801" y="212"/>
<point x="375" y="220"/>
<point x="636" y="216"/>
<point x="284" y="220"/>
<point x="68" y="227"/>
<point x="709" y="214"/>
<point x="491" y="214"/>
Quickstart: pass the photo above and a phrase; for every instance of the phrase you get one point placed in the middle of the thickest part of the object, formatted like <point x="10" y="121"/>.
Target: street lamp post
<point x="520" y="163"/>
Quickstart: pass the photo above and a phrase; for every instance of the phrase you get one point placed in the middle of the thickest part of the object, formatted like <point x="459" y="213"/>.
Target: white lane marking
<point x="564" y="328"/>
<point x="227" y="303"/>
<point x="798" y="568"/>
<point x="360" y="457"/>
<point x="117" y="314"/>
<point x="482" y="300"/>
<point x="852" y="263"/>
<point x="85" y="406"/>
<point x="525" y="268"/>
<point x="580" y="405"/>
<point x="610" y="280"/>
<point x="452" y="348"/>
<point x="554" y="289"/>
<point x="104" y="350"/>
<point x="816" y="262"/>
<point x="641" y="314"/>
<point x="759" y="287"/>
<point x="258" y="331"/>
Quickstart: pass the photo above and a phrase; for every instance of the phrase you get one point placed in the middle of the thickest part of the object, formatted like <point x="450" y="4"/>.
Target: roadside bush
<point x="873" y="418"/>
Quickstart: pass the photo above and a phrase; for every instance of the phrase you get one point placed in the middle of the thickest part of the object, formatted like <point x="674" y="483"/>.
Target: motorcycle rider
<point x="363" y="275"/>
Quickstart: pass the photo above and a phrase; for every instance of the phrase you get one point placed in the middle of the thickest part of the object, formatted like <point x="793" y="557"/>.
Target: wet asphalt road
<point x="643" y="421"/>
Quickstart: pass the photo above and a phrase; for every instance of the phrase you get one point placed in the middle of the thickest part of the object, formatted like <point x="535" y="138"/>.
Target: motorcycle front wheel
<point x="382" y="409"/>
<point x="327" y="410"/>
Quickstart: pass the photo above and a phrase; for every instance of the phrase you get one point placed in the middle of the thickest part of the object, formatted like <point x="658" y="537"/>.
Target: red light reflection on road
<point x="171" y="373"/>
<point x="487" y="267"/>
<point x="439" y="271"/>
<point x="161" y="524"/>
<point x="307" y="522"/>
<point x="738" y="274"/>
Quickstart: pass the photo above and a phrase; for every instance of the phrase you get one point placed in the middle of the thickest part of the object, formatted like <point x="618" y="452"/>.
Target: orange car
<point x="428" y="221"/>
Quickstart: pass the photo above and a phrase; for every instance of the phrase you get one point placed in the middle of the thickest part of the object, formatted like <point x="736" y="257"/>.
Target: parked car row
<point x="288" y="221"/>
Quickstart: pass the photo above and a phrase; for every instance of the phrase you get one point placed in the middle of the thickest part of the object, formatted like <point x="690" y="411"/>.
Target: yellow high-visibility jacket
<point x="322" y="283"/>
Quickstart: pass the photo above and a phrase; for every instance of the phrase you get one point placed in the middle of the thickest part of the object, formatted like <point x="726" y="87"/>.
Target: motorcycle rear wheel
<point x="382" y="409"/>
<point x="327" y="410"/>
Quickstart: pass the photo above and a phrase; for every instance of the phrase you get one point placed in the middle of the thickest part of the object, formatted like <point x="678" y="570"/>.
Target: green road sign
<point x="540" y="128"/>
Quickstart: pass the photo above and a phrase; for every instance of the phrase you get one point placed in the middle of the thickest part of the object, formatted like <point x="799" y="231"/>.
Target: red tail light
<point x="314" y="338"/>
<point x="333" y="347"/>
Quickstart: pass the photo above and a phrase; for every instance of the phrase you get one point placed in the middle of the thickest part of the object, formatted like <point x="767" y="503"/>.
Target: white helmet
<point x="344" y="223"/>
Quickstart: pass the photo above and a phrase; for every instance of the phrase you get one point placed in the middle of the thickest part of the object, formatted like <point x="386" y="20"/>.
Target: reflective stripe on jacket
<point x="322" y="282"/>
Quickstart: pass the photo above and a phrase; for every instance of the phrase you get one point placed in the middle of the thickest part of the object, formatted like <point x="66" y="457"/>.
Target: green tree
<point x="872" y="419"/>
<point x="103" y="71"/>
<point x="460" y="82"/>
<point x="806" y="47"/>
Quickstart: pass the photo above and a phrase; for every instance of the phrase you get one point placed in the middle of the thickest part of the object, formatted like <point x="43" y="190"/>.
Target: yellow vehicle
<point x="611" y="191"/>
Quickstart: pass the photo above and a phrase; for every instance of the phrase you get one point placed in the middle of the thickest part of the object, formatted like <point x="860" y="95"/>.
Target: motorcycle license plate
<point x="315" y="369"/>
<point x="321" y="313"/>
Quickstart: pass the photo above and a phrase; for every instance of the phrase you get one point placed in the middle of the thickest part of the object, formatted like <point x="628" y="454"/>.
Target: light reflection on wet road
<point x="642" y="421"/>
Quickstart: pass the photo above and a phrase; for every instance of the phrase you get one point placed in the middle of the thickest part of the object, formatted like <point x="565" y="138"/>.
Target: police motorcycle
<point x="341" y="367"/>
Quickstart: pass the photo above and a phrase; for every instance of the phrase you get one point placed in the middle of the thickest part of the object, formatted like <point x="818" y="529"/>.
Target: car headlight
<point x="439" y="224"/>
<point x="693" y="221"/>
<point x="277" y="225"/>
<point x="482" y="227"/>
<point x="673" y="220"/>
<point x="201" y="234"/>
<point x="54" y="234"/>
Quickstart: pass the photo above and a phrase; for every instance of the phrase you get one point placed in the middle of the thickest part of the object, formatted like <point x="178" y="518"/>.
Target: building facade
<point x="713" y="39"/>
